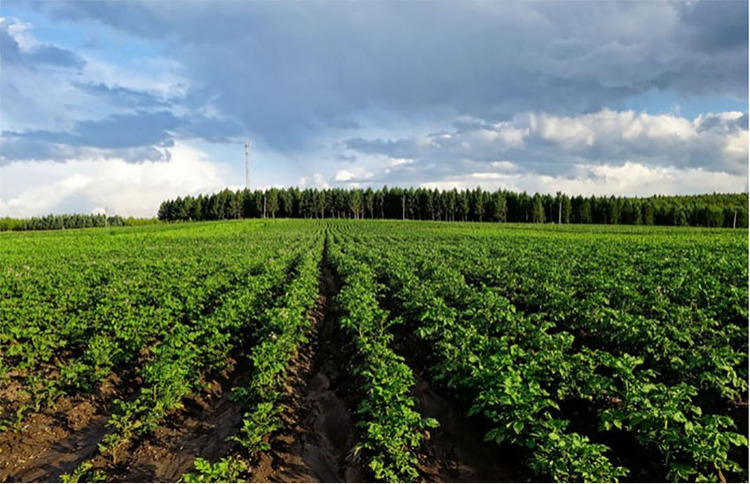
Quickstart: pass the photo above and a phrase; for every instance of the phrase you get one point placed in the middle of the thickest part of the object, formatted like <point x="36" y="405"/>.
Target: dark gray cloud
<point x="122" y="96"/>
<point x="28" y="148"/>
<point x="535" y="87"/>
<point x="11" y="53"/>
<point x="55" y="56"/>
<point x="138" y="132"/>
<point x="286" y="71"/>
<point x="715" y="26"/>
<point x="124" y="135"/>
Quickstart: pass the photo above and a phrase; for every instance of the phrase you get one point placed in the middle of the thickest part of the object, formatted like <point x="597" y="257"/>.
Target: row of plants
<point x="278" y="334"/>
<point x="181" y="364"/>
<point x="391" y="429"/>
<point x="504" y="378"/>
<point x="164" y="307"/>
<point x="177" y="366"/>
<point x="585" y="348"/>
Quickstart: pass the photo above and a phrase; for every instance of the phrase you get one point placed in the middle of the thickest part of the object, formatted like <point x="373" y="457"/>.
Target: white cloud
<point x="21" y="32"/>
<point x="631" y="179"/>
<point x="401" y="161"/>
<point x="608" y="125"/>
<point x="568" y="132"/>
<point x="357" y="173"/>
<point x="344" y="175"/>
<point x="130" y="189"/>
<point x="319" y="181"/>
<point x="736" y="148"/>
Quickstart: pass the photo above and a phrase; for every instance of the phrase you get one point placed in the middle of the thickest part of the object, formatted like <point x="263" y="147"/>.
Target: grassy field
<point x="303" y="350"/>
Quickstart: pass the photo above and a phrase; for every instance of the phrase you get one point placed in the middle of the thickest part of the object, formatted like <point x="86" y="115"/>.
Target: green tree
<point x="500" y="207"/>
<point x="355" y="203"/>
<point x="272" y="201"/>
<point x="477" y="204"/>
<point x="369" y="202"/>
<point x="537" y="213"/>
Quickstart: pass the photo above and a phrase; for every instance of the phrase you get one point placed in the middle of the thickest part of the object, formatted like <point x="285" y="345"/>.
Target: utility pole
<point x="559" y="208"/>
<point x="734" y="224"/>
<point x="247" y="164"/>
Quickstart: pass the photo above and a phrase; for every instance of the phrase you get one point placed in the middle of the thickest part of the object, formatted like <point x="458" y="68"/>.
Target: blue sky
<point x="118" y="105"/>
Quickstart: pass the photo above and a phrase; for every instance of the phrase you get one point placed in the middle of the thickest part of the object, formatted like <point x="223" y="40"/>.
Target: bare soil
<point x="318" y="443"/>
<point x="55" y="440"/>
<point x="455" y="451"/>
<point x="201" y="430"/>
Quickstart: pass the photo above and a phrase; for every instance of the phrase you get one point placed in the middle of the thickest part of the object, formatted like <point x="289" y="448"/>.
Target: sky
<point x="117" y="106"/>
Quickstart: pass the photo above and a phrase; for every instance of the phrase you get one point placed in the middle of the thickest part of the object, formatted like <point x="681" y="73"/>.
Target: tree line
<point x="69" y="221"/>
<point x="477" y="205"/>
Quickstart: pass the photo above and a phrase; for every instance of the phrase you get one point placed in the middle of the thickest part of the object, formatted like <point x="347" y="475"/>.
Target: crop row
<point x="279" y="332"/>
<point x="391" y="428"/>
<point x="596" y="355"/>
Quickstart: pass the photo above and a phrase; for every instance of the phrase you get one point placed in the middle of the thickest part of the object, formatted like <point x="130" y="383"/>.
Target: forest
<point x="71" y="221"/>
<point x="478" y="205"/>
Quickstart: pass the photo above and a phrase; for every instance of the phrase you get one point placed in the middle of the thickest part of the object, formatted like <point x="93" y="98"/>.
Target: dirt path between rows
<point x="55" y="440"/>
<point x="318" y="437"/>
<point x="320" y="432"/>
<point x="456" y="451"/>
<point x="201" y="430"/>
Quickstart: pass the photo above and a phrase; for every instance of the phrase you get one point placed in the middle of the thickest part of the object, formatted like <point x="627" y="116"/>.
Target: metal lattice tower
<point x="247" y="164"/>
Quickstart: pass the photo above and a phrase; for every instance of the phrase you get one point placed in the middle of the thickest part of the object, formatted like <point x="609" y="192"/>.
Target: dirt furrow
<point x="201" y="430"/>
<point x="55" y="440"/>
<point x="456" y="451"/>
<point x="319" y="436"/>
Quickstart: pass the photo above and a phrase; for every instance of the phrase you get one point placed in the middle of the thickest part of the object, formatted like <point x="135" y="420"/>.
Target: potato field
<point x="368" y="350"/>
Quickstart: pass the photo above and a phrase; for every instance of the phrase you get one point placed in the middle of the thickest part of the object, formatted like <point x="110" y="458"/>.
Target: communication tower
<point x="247" y="164"/>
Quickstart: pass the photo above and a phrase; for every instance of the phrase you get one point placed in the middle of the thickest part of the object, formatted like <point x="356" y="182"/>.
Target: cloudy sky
<point x="119" y="105"/>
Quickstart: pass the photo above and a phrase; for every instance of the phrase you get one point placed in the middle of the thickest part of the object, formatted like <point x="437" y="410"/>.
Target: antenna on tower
<point x="247" y="164"/>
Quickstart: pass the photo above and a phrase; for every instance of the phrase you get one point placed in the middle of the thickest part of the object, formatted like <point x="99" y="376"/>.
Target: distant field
<point x="303" y="350"/>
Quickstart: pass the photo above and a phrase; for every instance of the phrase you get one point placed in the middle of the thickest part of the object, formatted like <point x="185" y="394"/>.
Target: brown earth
<point x="455" y="451"/>
<point x="317" y="445"/>
<point x="55" y="440"/>
<point x="201" y="430"/>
